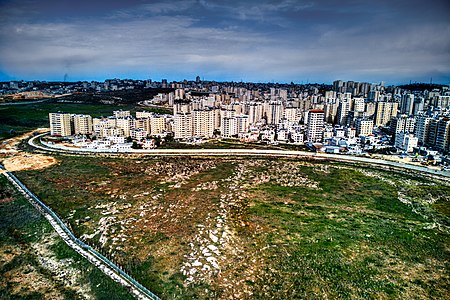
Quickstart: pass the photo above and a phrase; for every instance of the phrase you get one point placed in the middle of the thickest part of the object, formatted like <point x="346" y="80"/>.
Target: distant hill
<point x="421" y="86"/>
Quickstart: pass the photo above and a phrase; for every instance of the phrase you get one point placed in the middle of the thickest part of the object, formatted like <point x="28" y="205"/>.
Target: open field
<point x="265" y="229"/>
<point x="231" y="144"/>
<point x="24" y="118"/>
<point x="36" y="264"/>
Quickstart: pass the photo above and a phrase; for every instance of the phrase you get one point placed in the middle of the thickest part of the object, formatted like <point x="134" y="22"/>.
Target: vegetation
<point x="17" y="119"/>
<point x="276" y="229"/>
<point x="36" y="264"/>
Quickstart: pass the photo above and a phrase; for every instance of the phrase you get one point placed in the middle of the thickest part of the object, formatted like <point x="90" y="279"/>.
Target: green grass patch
<point x="26" y="117"/>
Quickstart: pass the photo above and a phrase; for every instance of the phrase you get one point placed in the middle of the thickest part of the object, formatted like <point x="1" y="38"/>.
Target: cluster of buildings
<point x="347" y="116"/>
<point x="121" y="131"/>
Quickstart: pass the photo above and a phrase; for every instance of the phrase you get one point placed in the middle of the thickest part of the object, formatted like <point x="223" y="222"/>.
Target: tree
<point x="136" y="145"/>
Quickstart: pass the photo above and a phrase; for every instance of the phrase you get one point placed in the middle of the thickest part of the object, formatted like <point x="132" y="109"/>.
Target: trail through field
<point x="17" y="160"/>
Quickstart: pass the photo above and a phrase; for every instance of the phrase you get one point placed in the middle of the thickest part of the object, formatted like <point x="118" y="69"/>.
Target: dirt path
<point x="17" y="160"/>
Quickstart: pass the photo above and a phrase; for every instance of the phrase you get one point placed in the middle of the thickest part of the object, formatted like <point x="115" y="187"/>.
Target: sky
<point x="260" y="41"/>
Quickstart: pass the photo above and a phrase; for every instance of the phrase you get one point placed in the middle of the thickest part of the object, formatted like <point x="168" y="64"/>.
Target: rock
<point x="197" y="263"/>
<point x="213" y="238"/>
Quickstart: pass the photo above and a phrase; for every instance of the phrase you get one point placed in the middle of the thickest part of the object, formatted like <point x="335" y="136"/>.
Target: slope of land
<point x="263" y="228"/>
<point x="36" y="264"/>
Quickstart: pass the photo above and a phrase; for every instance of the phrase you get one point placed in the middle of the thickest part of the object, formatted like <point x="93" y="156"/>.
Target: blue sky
<point x="280" y="41"/>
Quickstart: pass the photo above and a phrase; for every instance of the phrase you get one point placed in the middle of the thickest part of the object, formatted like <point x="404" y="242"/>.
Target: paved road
<point x="244" y="152"/>
<point x="97" y="259"/>
<point x="24" y="102"/>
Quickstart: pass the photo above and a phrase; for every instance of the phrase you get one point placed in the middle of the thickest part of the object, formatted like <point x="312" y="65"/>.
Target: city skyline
<point x="283" y="41"/>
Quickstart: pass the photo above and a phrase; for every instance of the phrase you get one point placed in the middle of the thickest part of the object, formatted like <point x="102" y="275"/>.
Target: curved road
<point x="243" y="152"/>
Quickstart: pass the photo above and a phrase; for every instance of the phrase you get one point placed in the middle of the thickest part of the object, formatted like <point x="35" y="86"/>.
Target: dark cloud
<point x="395" y="41"/>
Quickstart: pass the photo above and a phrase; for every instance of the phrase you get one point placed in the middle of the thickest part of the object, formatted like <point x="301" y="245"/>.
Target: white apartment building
<point x="298" y="137"/>
<point x="402" y="123"/>
<point x="138" y="133"/>
<point x="292" y="114"/>
<point x="422" y="128"/>
<point x="83" y="124"/>
<point x="101" y="124"/>
<point x="358" y="104"/>
<point x="142" y="123"/>
<point x="315" y="125"/>
<point x="116" y="139"/>
<point x="112" y="131"/>
<point x="255" y="112"/>
<point x="121" y="113"/>
<point x="242" y="123"/>
<point x="143" y="114"/>
<point x="183" y="126"/>
<point x="157" y="124"/>
<point x="204" y="122"/>
<point x="60" y="124"/>
<point x="406" y="141"/>
<point x="274" y="112"/>
<point x="228" y="127"/>
<point x="363" y="127"/>
<point x="343" y="109"/>
<point x="125" y="123"/>
<point x="384" y="111"/>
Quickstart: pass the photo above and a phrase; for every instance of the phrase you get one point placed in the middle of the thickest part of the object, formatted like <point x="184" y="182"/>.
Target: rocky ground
<point x="239" y="229"/>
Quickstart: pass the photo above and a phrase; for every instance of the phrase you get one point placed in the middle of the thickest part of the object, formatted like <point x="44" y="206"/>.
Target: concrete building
<point x="358" y="104"/>
<point x="183" y="126"/>
<point x="315" y="125"/>
<point x="402" y="123"/>
<point x="422" y="128"/>
<point x="101" y="124"/>
<point x="293" y="114"/>
<point x="121" y="113"/>
<point x="142" y="123"/>
<point x="275" y="111"/>
<point x="407" y="104"/>
<point x="343" y="109"/>
<point x="203" y="122"/>
<point x="60" y="124"/>
<point x="228" y="127"/>
<point x="125" y="123"/>
<point x="143" y="114"/>
<point x="443" y="134"/>
<point x="138" y="133"/>
<point x="406" y="141"/>
<point x="363" y="126"/>
<point x="83" y="124"/>
<point x="384" y="111"/>
<point x="158" y="124"/>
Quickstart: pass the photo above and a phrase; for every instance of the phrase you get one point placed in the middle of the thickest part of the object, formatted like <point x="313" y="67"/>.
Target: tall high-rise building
<point x="358" y="104"/>
<point x="60" y="124"/>
<point x="228" y="127"/>
<point x="407" y="104"/>
<point x="125" y="123"/>
<point x="384" y="111"/>
<point x="204" y="122"/>
<point x="275" y="112"/>
<point x="315" y="125"/>
<point x="363" y="126"/>
<point x="422" y="128"/>
<point x="157" y="124"/>
<point x="443" y="134"/>
<point x="82" y="124"/>
<point x="432" y="133"/>
<point x="343" y="109"/>
<point x="183" y="126"/>
<point x="402" y="123"/>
